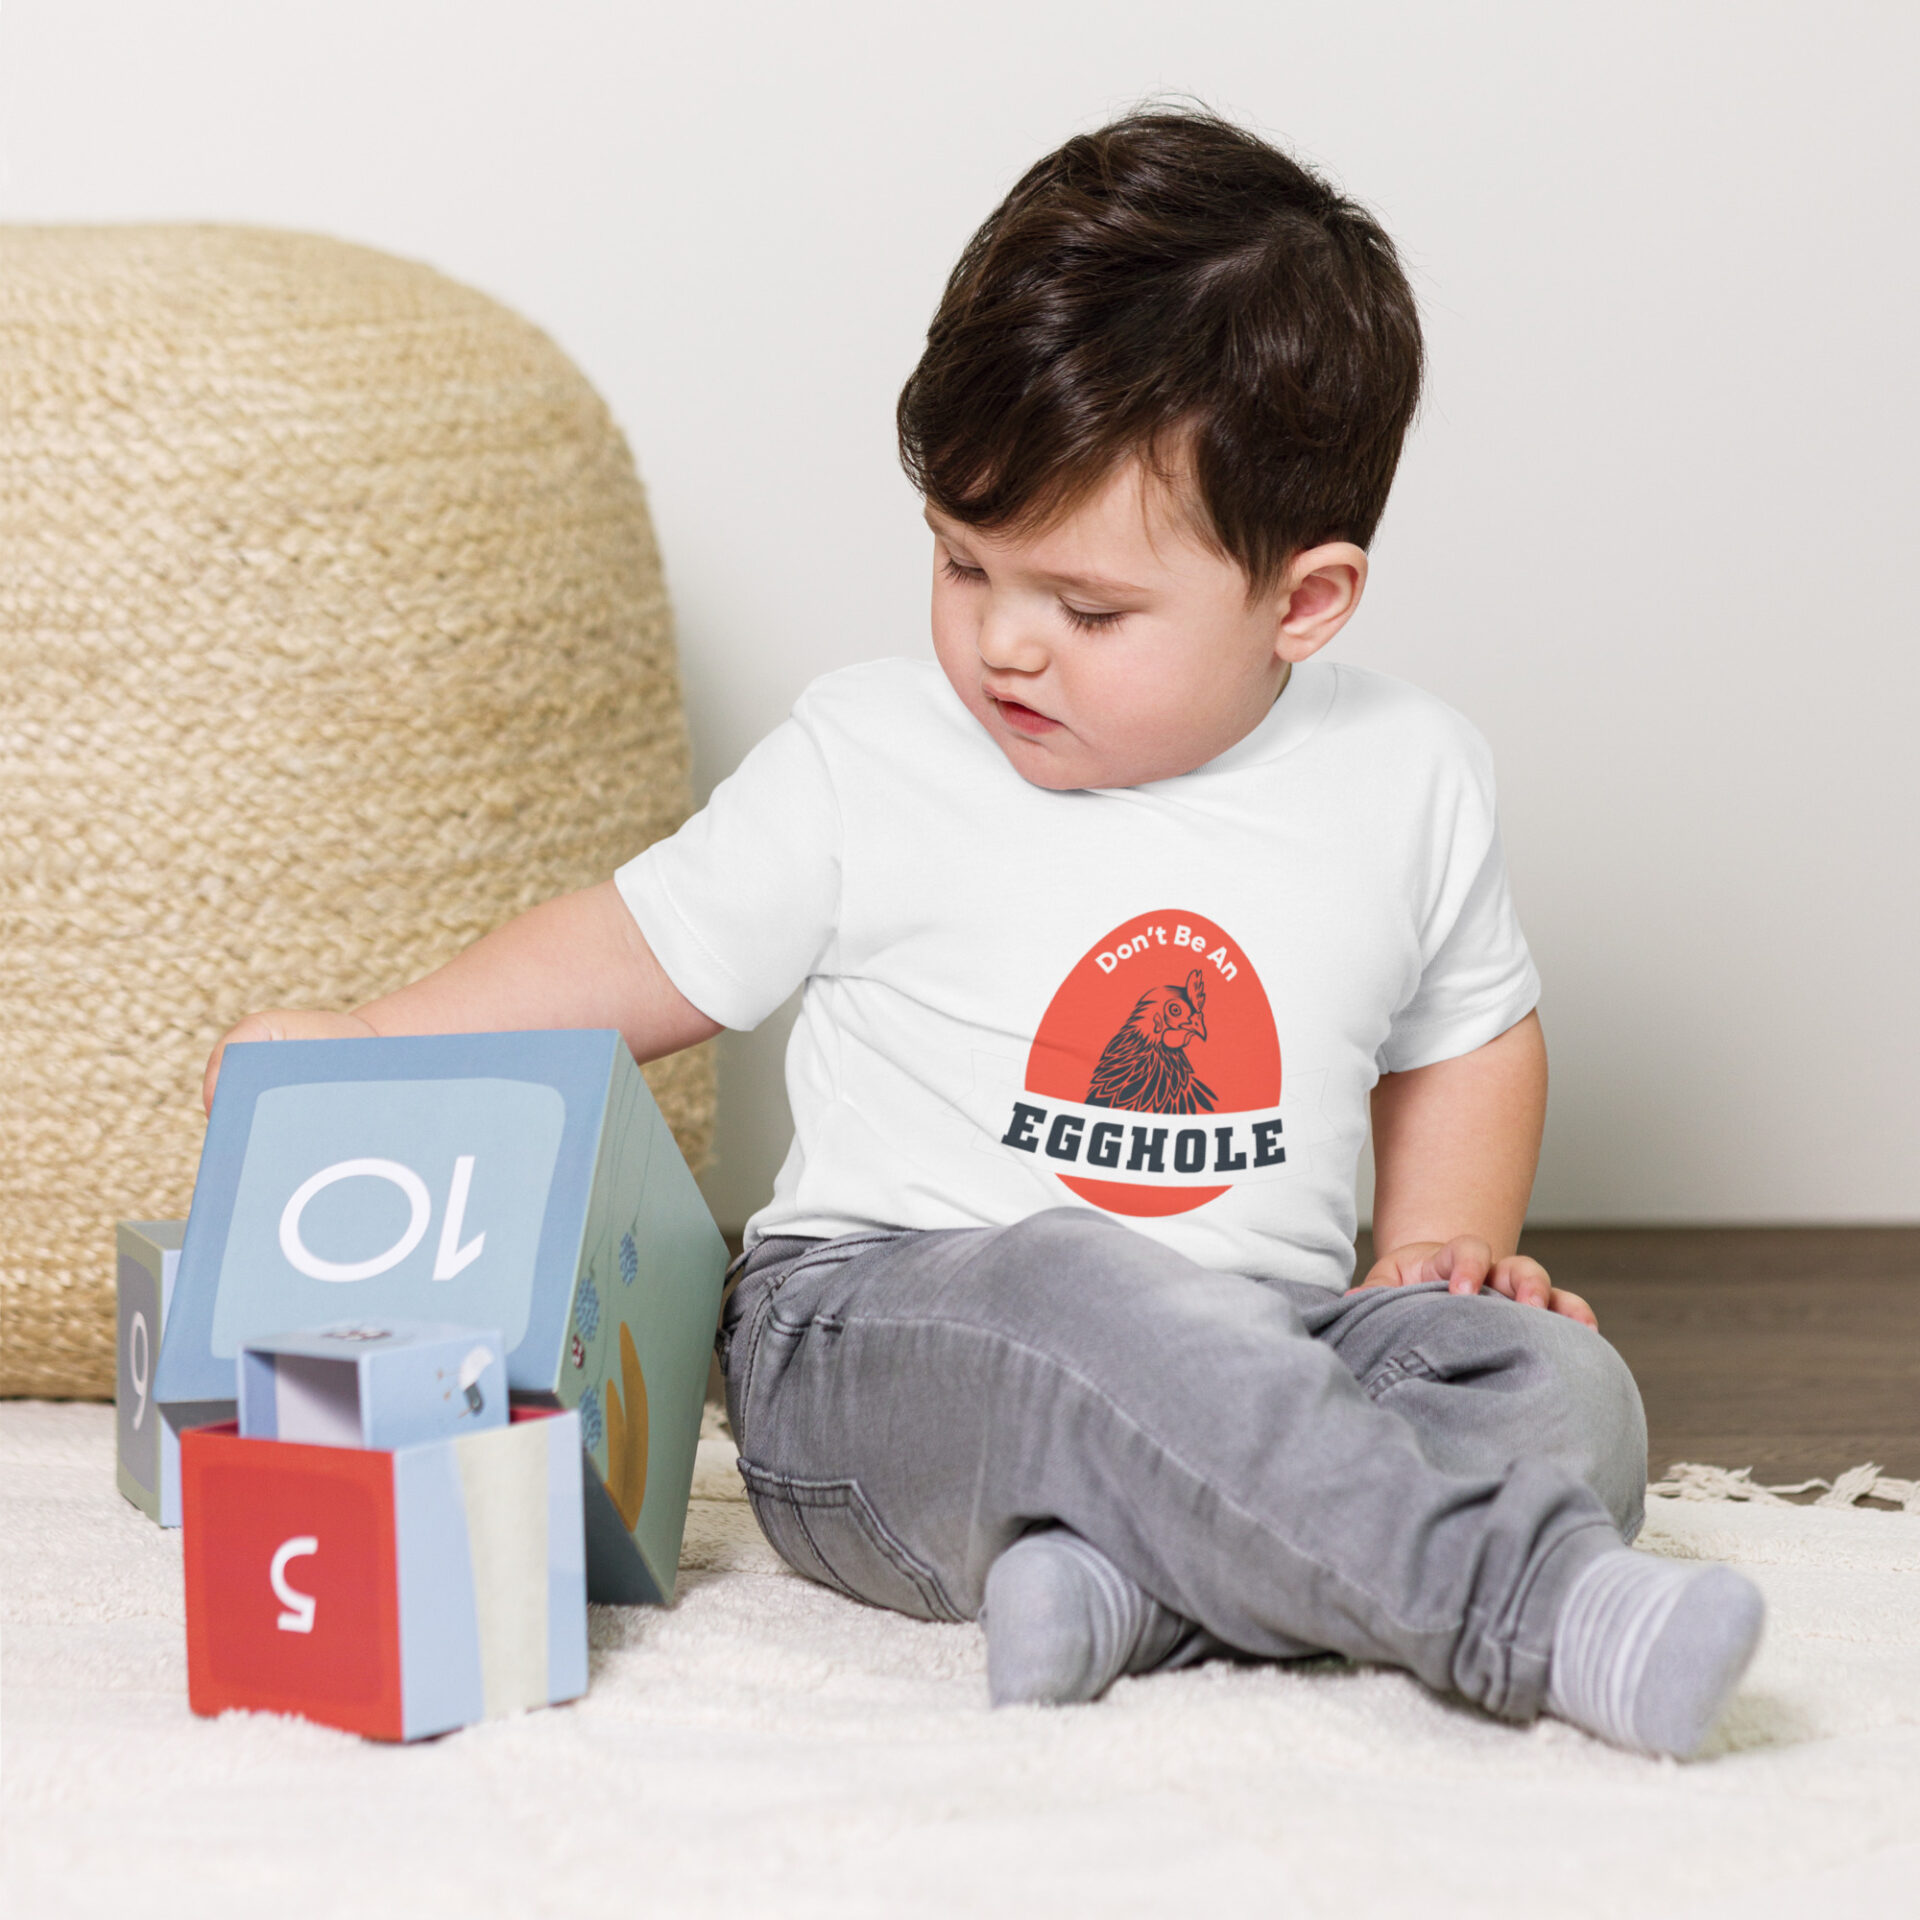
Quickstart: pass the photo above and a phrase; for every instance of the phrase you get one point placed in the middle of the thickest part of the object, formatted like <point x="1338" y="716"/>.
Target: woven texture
<point x="332" y="634"/>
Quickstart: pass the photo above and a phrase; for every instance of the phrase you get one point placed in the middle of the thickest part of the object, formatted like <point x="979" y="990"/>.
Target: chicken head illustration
<point x="1146" y="1066"/>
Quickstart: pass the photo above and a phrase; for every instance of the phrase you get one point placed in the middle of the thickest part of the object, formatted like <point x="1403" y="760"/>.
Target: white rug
<point x="766" y="1748"/>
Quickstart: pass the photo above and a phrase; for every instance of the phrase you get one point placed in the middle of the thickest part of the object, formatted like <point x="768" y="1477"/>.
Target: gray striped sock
<point x="1064" y="1623"/>
<point x="1646" y="1652"/>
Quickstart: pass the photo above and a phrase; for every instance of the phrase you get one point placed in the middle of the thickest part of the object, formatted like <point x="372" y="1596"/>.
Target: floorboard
<point x="1795" y="1351"/>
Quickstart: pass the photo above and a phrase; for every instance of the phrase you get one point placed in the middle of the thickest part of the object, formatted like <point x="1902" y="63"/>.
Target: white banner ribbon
<point x="1146" y="1149"/>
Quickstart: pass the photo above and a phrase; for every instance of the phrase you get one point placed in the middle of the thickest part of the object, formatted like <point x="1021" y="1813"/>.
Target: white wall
<point x="1652" y="533"/>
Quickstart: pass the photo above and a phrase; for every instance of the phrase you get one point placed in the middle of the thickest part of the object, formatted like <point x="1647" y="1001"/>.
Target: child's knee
<point x="1602" y="1420"/>
<point x="1486" y="1380"/>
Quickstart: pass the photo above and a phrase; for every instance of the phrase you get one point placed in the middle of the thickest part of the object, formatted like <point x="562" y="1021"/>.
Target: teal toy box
<point x="519" y="1181"/>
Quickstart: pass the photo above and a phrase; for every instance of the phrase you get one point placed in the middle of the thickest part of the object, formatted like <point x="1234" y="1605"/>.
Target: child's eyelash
<point x="1087" y="622"/>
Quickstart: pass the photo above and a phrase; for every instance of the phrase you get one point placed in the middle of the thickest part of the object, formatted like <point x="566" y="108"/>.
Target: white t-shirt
<point x="1167" y="1001"/>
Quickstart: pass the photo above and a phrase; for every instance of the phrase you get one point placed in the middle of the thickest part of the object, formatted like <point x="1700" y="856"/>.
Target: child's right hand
<point x="283" y="1023"/>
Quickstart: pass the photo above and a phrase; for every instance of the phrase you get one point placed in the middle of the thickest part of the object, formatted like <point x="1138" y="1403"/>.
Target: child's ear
<point x="1316" y="597"/>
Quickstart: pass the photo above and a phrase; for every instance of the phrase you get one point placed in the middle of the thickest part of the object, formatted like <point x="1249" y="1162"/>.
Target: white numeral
<point x="311" y="1264"/>
<point x="139" y="1350"/>
<point x="450" y="1258"/>
<point x="453" y="1256"/>
<point x="298" y="1617"/>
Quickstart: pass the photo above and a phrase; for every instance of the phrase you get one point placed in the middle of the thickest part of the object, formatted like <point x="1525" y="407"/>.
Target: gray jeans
<point x="1401" y="1475"/>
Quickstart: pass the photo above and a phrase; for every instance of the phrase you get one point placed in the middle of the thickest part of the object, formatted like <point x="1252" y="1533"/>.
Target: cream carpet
<point x="766" y="1748"/>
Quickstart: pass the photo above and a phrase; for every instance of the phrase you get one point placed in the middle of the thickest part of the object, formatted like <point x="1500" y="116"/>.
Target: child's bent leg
<point x="907" y="1414"/>
<point x="1484" y="1382"/>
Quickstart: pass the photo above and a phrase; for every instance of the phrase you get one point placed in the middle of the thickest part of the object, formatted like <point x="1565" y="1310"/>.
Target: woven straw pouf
<point x="332" y="633"/>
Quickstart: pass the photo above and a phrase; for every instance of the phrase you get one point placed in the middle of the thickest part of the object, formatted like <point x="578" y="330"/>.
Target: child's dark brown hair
<point x="1171" y="288"/>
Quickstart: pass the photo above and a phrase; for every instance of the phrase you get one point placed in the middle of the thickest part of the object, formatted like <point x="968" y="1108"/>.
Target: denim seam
<point x="1505" y="1634"/>
<point x="826" y="1322"/>
<point x="1396" y="1369"/>
<point x="1523" y="1597"/>
<point x="797" y="1493"/>
<point x="866" y="1517"/>
<point x="763" y="1314"/>
<point x="763" y="1485"/>
<point x="806" y="1533"/>
<point x="836" y="1253"/>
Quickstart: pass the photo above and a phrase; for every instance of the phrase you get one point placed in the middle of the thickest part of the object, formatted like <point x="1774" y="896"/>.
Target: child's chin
<point x="1054" y="772"/>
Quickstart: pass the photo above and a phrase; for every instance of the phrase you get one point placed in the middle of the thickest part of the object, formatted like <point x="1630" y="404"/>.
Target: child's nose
<point x="1008" y="644"/>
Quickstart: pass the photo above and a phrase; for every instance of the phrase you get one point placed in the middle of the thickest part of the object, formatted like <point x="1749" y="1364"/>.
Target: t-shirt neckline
<point x="1288" y="723"/>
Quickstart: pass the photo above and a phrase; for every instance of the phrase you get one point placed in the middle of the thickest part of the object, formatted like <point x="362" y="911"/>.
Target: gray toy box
<point x="147" y="1256"/>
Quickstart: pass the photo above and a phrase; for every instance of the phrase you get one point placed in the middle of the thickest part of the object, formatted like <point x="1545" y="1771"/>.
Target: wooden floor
<point x="1794" y="1351"/>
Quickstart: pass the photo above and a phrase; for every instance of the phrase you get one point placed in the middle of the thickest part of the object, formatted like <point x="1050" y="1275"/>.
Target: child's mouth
<point x="1022" y="719"/>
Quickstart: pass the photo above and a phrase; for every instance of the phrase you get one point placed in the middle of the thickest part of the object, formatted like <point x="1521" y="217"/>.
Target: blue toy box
<point x="521" y="1181"/>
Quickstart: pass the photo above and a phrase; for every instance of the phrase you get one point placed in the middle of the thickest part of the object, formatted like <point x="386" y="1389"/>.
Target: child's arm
<point x="1455" y="1146"/>
<point x="578" y="961"/>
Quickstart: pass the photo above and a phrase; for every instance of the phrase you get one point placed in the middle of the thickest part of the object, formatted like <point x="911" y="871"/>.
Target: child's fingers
<point x="1574" y="1308"/>
<point x="1383" y="1274"/>
<point x="253" y="1027"/>
<point x="256" y="1026"/>
<point x="1523" y="1281"/>
<point x="1463" y="1263"/>
<point x="1403" y="1267"/>
<point x="280" y="1023"/>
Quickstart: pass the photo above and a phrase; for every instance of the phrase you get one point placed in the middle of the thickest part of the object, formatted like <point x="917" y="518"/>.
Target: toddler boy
<point x="1112" y="923"/>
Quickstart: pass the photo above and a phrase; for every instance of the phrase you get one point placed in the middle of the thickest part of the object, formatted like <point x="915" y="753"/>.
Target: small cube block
<point x="396" y="1594"/>
<point x="384" y="1386"/>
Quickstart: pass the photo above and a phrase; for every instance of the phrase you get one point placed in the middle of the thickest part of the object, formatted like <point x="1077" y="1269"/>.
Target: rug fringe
<point x="1689" y="1480"/>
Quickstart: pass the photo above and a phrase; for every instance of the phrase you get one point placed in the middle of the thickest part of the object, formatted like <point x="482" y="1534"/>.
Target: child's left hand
<point x="1467" y="1264"/>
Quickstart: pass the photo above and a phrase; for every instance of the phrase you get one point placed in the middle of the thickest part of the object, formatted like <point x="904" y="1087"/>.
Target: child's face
<point x="1114" y="647"/>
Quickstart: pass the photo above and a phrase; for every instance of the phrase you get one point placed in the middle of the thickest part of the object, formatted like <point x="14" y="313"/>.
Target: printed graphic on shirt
<point x="1163" y="1017"/>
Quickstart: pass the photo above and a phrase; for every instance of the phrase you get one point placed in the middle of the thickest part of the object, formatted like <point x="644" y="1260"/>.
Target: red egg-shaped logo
<point x="1154" y="1077"/>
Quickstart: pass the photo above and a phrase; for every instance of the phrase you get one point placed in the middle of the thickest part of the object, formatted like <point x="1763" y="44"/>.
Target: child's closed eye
<point x="1081" y="617"/>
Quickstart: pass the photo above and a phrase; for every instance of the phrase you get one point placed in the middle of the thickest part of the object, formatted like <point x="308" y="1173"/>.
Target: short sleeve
<point x="740" y="905"/>
<point x="1477" y="979"/>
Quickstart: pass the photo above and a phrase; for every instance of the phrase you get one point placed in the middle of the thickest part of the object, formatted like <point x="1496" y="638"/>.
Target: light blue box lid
<point x="351" y="1339"/>
<point x="295" y="1120"/>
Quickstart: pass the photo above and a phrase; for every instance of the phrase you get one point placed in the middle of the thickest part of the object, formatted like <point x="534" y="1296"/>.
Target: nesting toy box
<point x="362" y="1385"/>
<point x="522" y="1181"/>
<point x="394" y="1593"/>
<point x="147" y="1256"/>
